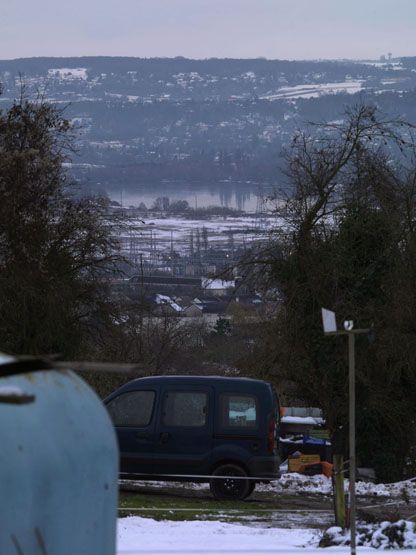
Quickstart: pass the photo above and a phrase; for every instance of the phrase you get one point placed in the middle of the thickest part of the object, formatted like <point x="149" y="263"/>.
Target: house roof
<point x="166" y="300"/>
<point x="208" y="283"/>
<point x="215" y="307"/>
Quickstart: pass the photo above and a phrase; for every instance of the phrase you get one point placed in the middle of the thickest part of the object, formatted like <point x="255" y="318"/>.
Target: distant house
<point x="210" y="305"/>
<point x="193" y="311"/>
<point x="208" y="309"/>
<point x="184" y="300"/>
<point x="217" y="287"/>
<point x="167" y="306"/>
<point x="173" y="286"/>
<point x="251" y="308"/>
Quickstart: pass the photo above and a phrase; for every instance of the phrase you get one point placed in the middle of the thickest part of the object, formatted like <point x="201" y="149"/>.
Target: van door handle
<point x="142" y="435"/>
<point x="164" y="436"/>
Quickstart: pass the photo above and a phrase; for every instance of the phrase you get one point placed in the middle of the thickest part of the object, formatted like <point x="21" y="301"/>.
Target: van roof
<point x="214" y="380"/>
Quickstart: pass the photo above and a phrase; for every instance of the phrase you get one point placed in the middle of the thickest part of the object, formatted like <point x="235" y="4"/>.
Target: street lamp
<point x="330" y="328"/>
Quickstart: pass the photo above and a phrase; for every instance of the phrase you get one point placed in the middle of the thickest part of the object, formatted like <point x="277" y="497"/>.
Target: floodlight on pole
<point x="330" y="328"/>
<point x="328" y="320"/>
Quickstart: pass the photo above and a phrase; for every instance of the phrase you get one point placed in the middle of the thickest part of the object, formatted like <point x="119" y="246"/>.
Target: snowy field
<point x="144" y="535"/>
<point x="315" y="90"/>
<point x="136" y="535"/>
<point x="163" y="233"/>
<point x="290" y="534"/>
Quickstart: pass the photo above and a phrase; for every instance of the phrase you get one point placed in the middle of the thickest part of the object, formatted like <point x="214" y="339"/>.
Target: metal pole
<point x="351" y="364"/>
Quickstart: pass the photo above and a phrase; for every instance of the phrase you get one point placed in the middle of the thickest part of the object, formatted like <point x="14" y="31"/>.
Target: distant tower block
<point x="261" y="209"/>
<point x="231" y="244"/>
<point x="134" y="248"/>
<point x="191" y="244"/>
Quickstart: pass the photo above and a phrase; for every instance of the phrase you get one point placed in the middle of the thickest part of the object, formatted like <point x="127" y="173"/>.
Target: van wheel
<point x="229" y="488"/>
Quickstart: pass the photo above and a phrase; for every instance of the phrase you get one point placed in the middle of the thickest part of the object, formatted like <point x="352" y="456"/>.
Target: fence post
<point x="339" y="491"/>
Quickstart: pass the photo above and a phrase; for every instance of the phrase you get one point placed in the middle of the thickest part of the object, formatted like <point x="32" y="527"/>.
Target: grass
<point x="172" y="507"/>
<point x="181" y="505"/>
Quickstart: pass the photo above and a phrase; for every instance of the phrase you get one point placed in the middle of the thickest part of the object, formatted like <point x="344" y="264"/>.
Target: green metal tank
<point x="58" y="465"/>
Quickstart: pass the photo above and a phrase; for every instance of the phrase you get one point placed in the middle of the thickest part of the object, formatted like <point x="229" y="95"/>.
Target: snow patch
<point x="299" y="483"/>
<point x="385" y="535"/>
<point x="6" y="359"/>
<point x="146" y="535"/>
<point x="208" y="283"/>
<point x="315" y="90"/>
<point x="69" y="73"/>
<point x="11" y="391"/>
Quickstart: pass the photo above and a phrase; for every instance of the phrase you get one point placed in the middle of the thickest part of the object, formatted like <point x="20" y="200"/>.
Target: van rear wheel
<point x="234" y="487"/>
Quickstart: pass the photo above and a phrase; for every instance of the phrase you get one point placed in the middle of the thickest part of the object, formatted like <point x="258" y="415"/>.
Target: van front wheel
<point x="234" y="487"/>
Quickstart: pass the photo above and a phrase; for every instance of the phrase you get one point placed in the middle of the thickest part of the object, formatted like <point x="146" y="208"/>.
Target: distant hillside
<point x="158" y="119"/>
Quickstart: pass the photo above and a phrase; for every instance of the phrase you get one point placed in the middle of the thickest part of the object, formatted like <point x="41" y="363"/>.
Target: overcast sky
<point x="285" y="29"/>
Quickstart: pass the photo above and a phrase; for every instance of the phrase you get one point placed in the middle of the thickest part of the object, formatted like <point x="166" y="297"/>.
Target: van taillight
<point x="271" y="435"/>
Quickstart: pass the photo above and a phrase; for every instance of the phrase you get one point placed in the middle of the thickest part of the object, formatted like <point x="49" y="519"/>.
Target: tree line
<point x="348" y="243"/>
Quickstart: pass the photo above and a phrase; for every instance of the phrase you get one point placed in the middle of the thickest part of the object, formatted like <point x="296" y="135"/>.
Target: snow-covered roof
<point x="6" y="359"/>
<point x="69" y="73"/>
<point x="208" y="283"/>
<point x="165" y="299"/>
<point x="10" y="390"/>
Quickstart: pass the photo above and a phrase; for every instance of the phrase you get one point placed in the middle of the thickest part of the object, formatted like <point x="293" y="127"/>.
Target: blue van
<point x="198" y="428"/>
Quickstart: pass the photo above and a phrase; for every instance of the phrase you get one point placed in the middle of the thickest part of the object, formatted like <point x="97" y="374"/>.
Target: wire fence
<point x="221" y="511"/>
<point x="276" y="551"/>
<point x="196" y="477"/>
<point x="207" y="477"/>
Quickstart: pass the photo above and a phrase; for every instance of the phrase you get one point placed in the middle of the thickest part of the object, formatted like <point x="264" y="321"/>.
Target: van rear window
<point x="238" y="411"/>
<point x="133" y="409"/>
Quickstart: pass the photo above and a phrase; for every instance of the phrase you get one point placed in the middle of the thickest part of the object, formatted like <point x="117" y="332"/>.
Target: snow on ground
<point x="161" y="231"/>
<point x="215" y="224"/>
<point x="144" y="535"/>
<point x="315" y="90"/>
<point x="69" y="73"/>
<point x="384" y="535"/>
<point x="137" y="535"/>
<point x="298" y="483"/>
<point x="396" y="66"/>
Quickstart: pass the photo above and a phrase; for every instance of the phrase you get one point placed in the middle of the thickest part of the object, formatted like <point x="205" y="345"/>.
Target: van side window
<point x="185" y="408"/>
<point x="238" y="411"/>
<point x="133" y="408"/>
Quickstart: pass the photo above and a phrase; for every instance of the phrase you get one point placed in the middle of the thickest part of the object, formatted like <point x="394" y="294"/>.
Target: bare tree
<point x="57" y="248"/>
<point x="348" y="244"/>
